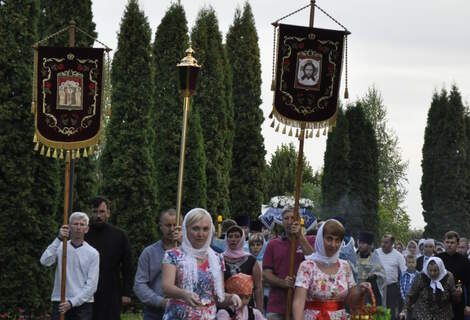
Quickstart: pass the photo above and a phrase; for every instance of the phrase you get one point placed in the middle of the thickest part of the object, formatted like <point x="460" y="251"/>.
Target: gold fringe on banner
<point x="290" y="132"/>
<point x="85" y="154"/>
<point x="273" y="123"/>
<point x="36" y="146"/>
<point x="284" y="130"/>
<point x="42" y="150"/>
<point x="54" y="155"/>
<point x="277" y="127"/>
<point x="77" y="154"/>
<point x="48" y="153"/>
<point x="61" y="157"/>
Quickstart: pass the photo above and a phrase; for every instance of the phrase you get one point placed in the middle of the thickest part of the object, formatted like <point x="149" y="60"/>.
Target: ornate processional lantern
<point x="188" y="72"/>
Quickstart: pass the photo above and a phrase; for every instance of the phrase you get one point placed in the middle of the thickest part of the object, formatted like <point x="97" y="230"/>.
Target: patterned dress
<point x="426" y="305"/>
<point x="204" y="288"/>
<point x="322" y="287"/>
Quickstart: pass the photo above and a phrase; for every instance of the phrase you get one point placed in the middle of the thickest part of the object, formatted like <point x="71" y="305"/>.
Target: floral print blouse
<point x="321" y="286"/>
<point x="204" y="288"/>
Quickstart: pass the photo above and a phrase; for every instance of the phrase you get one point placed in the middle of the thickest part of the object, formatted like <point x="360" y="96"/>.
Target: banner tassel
<point x="273" y="123"/>
<point x="318" y="133"/>
<point x="290" y="132"/>
<point x="33" y="107"/>
<point x="36" y="146"/>
<point x="271" y="115"/>
<point x="48" y="153"/>
<point x="54" y="154"/>
<point x="61" y="157"/>
<point x="85" y="154"/>
<point x="35" y="138"/>
<point x="90" y="151"/>
<point x="277" y="127"/>
<point x="71" y="154"/>
<point x="42" y="150"/>
<point x="297" y="133"/>
<point x="311" y="134"/>
<point x="324" y="132"/>
<point x="284" y="130"/>
<point x="77" y="155"/>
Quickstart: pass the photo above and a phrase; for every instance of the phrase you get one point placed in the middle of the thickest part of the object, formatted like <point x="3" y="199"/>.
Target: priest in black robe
<point x="115" y="281"/>
<point x="460" y="268"/>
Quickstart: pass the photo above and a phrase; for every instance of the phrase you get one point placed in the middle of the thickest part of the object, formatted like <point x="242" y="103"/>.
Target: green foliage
<point x="25" y="230"/>
<point x="171" y="41"/>
<point x="127" y="165"/>
<point x="56" y="15"/>
<point x="335" y="184"/>
<point x="211" y="104"/>
<point x="391" y="169"/>
<point x="350" y="180"/>
<point x="444" y="185"/>
<point x="282" y="173"/>
<point x="248" y="164"/>
<point x="363" y="172"/>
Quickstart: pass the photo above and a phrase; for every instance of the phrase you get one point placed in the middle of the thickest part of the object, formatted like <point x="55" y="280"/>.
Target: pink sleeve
<point x="223" y="315"/>
<point x="304" y="275"/>
<point x="268" y="259"/>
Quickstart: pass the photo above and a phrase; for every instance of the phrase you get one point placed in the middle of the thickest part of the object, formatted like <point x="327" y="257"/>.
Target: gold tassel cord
<point x="85" y="154"/>
<point x="290" y="132"/>
<point x="36" y="146"/>
<point x="284" y="130"/>
<point x="35" y="138"/>
<point x="273" y="123"/>
<point x="54" y="155"/>
<point x="277" y="127"/>
<point x="77" y="155"/>
<point x="90" y="151"/>
<point x="318" y="133"/>
<point x="297" y="133"/>
<point x="324" y="132"/>
<point x="61" y="157"/>
<point x="48" y="153"/>
<point x="42" y="151"/>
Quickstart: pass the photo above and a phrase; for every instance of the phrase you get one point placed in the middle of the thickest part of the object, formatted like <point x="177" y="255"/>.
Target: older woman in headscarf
<point x="411" y="248"/>
<point x="432" y="293"/>
<point x="324" y="281"/>
<point x="237" y="260"/>
<point x="193" y="273"/>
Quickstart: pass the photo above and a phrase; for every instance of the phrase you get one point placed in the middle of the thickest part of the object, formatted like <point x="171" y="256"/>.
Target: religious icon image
<point x="308" y="71"/>
<point x="69" y="91"/>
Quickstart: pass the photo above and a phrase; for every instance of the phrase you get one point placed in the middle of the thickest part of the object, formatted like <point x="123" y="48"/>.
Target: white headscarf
<point x="442" y="272"/>
<point x="191" y="255"/>
<point x="320" y="255"/>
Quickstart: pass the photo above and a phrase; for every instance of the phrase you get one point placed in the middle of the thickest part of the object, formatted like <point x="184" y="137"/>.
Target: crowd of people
<point x="247" y="273"/>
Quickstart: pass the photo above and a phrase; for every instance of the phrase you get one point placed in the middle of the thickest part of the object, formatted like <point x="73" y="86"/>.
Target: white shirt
<point x="82" y="271"/>
<point x="394" y="264"/>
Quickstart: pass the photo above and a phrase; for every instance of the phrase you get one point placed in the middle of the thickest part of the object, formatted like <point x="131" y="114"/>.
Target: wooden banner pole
<point x="297" y="192"/>
<point x="68" y="193"/>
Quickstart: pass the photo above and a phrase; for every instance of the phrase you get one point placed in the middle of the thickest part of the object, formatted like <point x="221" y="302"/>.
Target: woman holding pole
<point x="193" y="273"/>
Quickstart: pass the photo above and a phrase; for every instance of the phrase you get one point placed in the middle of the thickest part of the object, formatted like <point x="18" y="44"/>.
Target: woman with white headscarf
<point x="192" y="274"/>
<point x="432" y="293"/>
<point x="324" y="281"/>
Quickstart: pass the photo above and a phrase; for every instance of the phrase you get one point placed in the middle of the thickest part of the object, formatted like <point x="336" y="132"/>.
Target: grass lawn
<point x="131" y="316"/>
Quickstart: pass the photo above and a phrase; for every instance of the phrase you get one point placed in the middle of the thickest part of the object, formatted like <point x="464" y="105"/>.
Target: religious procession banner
<point x="67" y="99"/>
<point x="308" y="72"/>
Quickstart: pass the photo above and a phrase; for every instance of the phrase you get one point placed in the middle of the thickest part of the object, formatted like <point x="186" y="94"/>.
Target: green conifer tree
<point x="444" y="189"/>
<point x="55" y="16"/>
<point x="363" y="173"/>
<point x="126" y="161"/>
<point x="248" y="163"/>
<point x="25" y="230"/>
<point x="211" y="103"/>
<point x="335" y="182"/>
<point x="171" y="41"/>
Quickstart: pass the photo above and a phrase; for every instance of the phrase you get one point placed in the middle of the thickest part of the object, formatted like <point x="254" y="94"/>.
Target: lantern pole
<point x="68" y="192"/>
<point x="298" y="182"/>
<point x="188" y="73"/>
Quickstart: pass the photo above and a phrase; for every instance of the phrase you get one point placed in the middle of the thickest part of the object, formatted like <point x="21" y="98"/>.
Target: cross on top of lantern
<point x="188" y="72"/>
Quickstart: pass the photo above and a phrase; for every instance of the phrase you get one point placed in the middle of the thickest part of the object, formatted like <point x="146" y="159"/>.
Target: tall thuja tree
<point x="335" y="182"/>
<point x="391" y="168"/>
<point x="363" y="173"/>
<point x="444" y="189"/>
<point x="171" y="41"/>
<point x="248" y="164"/>
<point x="54" y="16"/>
<point x="211" y="104"/>
<point x="127" y="159"/>
<point x="432" y="133"/>
<point x="24" y="231"/>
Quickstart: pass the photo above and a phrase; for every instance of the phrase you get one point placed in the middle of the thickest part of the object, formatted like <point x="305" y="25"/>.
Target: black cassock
<point x="115" y="270"/>
<point x="460" y="268"/>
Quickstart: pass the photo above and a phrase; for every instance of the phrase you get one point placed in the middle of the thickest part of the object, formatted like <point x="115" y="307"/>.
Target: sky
<point x="406" y="49"/>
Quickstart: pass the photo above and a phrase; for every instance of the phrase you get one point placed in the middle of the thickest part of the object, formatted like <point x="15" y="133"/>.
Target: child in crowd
<point x="256" y="243"/>
<point x="432" y="293"/>
<point x="241" y="285"/>
<point x="408" y="276"/>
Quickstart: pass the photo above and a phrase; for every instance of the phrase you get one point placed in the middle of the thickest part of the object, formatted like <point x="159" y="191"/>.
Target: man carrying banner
<point x="82" y="270"/>
<point x="276" y="263"/>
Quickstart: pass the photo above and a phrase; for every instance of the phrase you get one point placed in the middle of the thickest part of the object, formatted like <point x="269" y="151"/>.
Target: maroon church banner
<point x="68" y="97"/>
<point x="308" y="73"/>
